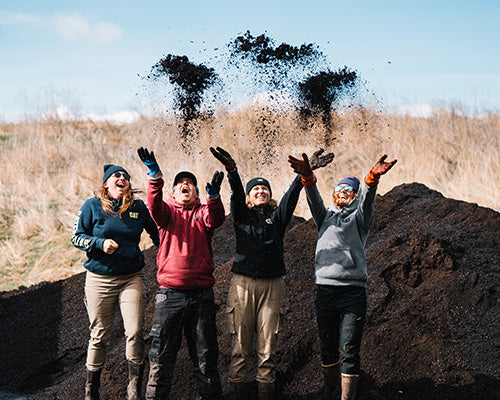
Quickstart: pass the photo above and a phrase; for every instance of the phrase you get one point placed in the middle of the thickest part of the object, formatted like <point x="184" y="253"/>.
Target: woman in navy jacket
<point x="109" y="228"/>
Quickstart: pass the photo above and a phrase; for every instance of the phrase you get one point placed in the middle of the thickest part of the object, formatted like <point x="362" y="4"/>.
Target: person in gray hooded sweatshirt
<point x="341" y="273"/>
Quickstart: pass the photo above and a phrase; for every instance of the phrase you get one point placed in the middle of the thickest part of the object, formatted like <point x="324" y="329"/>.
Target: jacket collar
<point x="176" y="204"/>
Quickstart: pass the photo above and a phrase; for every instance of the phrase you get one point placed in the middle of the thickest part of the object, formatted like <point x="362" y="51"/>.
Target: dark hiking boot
<point x="135" y="373"/>
<point x="92" y="385"/>
<point x="236" y="390"/>
<point x="265" y="390"/>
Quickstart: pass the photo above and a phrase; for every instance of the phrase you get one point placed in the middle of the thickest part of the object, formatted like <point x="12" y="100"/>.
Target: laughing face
<point x="343" y="195"/>
<point x="259" y="195"/>
<point x="185" y="191"/>
<point x="118" y="184"/>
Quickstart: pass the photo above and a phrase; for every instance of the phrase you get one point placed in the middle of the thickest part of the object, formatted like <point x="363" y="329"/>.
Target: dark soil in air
<point x="432" y="328"/>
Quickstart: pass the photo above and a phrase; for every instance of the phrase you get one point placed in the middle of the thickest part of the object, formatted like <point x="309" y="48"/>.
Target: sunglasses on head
<point x="119" y="174"/>
<point x="347" y="188"/>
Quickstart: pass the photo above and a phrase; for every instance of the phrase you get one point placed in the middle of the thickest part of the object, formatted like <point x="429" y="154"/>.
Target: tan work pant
<point x="103" y="293"/>
<point x="255" y="306"/>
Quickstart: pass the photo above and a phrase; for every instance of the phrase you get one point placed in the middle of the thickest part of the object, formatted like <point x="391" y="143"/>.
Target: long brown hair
<point x="107" y="202"/>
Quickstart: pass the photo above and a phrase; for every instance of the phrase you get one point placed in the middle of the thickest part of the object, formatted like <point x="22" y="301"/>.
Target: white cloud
<point x="73" y="27"/>
<point x="76" y="28"/>
<point x="125" y="117"/>
<point x="416" y="110"/>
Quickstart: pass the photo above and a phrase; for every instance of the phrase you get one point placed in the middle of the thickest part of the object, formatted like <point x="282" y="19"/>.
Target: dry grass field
<point x="48" y="167"/>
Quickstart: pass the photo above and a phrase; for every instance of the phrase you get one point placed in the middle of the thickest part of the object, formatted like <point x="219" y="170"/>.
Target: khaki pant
<point x="103" y="293"/>
<point x="255" y="306"/>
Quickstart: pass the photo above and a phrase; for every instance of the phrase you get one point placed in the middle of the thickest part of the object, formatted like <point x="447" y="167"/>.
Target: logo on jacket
<point x="269" y="222"/>
<point x="133" y="214"/>
<point x="196" y="217"/>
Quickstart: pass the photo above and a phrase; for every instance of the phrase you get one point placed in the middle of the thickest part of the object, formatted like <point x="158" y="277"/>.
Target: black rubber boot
<point x="135" y="373"/>
<point x="92" y="385"/>
<point x="331" y="375"/>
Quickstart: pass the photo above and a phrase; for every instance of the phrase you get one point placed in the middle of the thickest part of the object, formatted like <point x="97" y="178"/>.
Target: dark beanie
<point x="350" y="180"/>
<point x="110" y="169"/>
<point x="258" y="181"/>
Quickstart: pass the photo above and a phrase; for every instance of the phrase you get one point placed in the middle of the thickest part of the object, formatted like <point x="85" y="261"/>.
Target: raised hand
<point x="319" y="161"/>
<point x="148" y="158"/>
<point x="380" y="168"/>
<point x="213" y="187"/>
<point x="224" y="157"/>
<point x="302" y="167"/>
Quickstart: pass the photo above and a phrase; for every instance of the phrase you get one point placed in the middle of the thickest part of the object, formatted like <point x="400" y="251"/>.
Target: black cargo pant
<point x="194" y="312"/>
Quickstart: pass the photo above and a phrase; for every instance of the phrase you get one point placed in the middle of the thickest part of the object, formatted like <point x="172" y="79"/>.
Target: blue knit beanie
<point x="350" y="180"/>
<point x="110" y="169"/>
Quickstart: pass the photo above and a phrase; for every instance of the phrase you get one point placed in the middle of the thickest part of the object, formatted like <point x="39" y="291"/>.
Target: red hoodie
<point x="185" y="257"/>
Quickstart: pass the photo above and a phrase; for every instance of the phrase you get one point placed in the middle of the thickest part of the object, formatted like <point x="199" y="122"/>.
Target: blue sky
<point x="89" y="53"/>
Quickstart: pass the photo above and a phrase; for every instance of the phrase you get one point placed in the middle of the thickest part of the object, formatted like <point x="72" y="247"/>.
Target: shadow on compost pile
<point x="432" y="326"/>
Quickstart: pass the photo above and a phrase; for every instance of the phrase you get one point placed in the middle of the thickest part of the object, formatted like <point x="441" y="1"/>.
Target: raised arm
<point x="238" y="197"/>
<point x="158" y="208"/>
<point x="367" y="201"/>
<point x="305" y="169"/>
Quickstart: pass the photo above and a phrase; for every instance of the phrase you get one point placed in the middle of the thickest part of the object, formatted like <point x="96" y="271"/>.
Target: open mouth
<point x="185" y="190"/>
<point x="121" y="185"/>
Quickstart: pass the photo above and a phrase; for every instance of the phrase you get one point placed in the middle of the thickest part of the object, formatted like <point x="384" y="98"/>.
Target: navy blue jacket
<point x="259" y="231"/>
<point x="93" y="226"/>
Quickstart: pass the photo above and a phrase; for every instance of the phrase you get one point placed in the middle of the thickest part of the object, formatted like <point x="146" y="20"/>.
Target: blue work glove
<point x="148" y="158"/>
<point x="213" y="188"/>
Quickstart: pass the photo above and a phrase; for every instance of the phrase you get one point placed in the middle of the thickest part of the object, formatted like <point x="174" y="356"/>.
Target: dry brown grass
<point x="49" y="167"/>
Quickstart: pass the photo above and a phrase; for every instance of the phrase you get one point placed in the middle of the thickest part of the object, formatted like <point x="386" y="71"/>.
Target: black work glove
<point x="213" y="187"/>
<point x="148" y="158"/>
<point x="224" y="157"/>
<point x="319" y="161"/>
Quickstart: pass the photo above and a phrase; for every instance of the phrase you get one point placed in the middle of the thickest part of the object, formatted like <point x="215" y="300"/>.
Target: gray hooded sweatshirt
<point x="340" y="252"/>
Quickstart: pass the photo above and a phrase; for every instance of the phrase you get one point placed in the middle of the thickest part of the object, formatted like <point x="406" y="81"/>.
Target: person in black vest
<point x="109" y="228"/>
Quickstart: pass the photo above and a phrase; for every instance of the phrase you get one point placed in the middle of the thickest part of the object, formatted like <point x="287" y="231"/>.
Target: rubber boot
<point x="236" y="390"/>
<point x="265" y="390"/>
<point x="135" y="372"/>
<point x="349" y="386"/>
<point x="331" y="375"/>
<point x="92" y="385"/>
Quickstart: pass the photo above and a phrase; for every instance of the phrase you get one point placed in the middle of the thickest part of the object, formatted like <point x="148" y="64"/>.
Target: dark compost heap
<point x="432" y="328"/>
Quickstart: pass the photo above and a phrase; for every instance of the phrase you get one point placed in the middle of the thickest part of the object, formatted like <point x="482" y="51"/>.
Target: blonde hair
<point x="107" y="203"/>
<point x="272" y="203"/>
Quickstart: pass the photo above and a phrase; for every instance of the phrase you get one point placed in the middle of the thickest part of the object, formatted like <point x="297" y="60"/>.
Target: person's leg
<point x="270" y="308"/>
<point x="353" y="306"/>
<point x="166" y="334"/>
<point x="101" y="297"/>
<point x="132" y="301"/>
<point x="241" y="319"/>
<point x="201" y="335"/>
<point x="101" y="293"/>
<point x="328" y="320"/>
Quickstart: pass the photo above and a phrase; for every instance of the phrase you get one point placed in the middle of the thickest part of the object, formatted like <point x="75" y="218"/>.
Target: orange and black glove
<point x="224" y="157"/>
<point x="380" y="168"/>
<point x="303" y="167"/>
